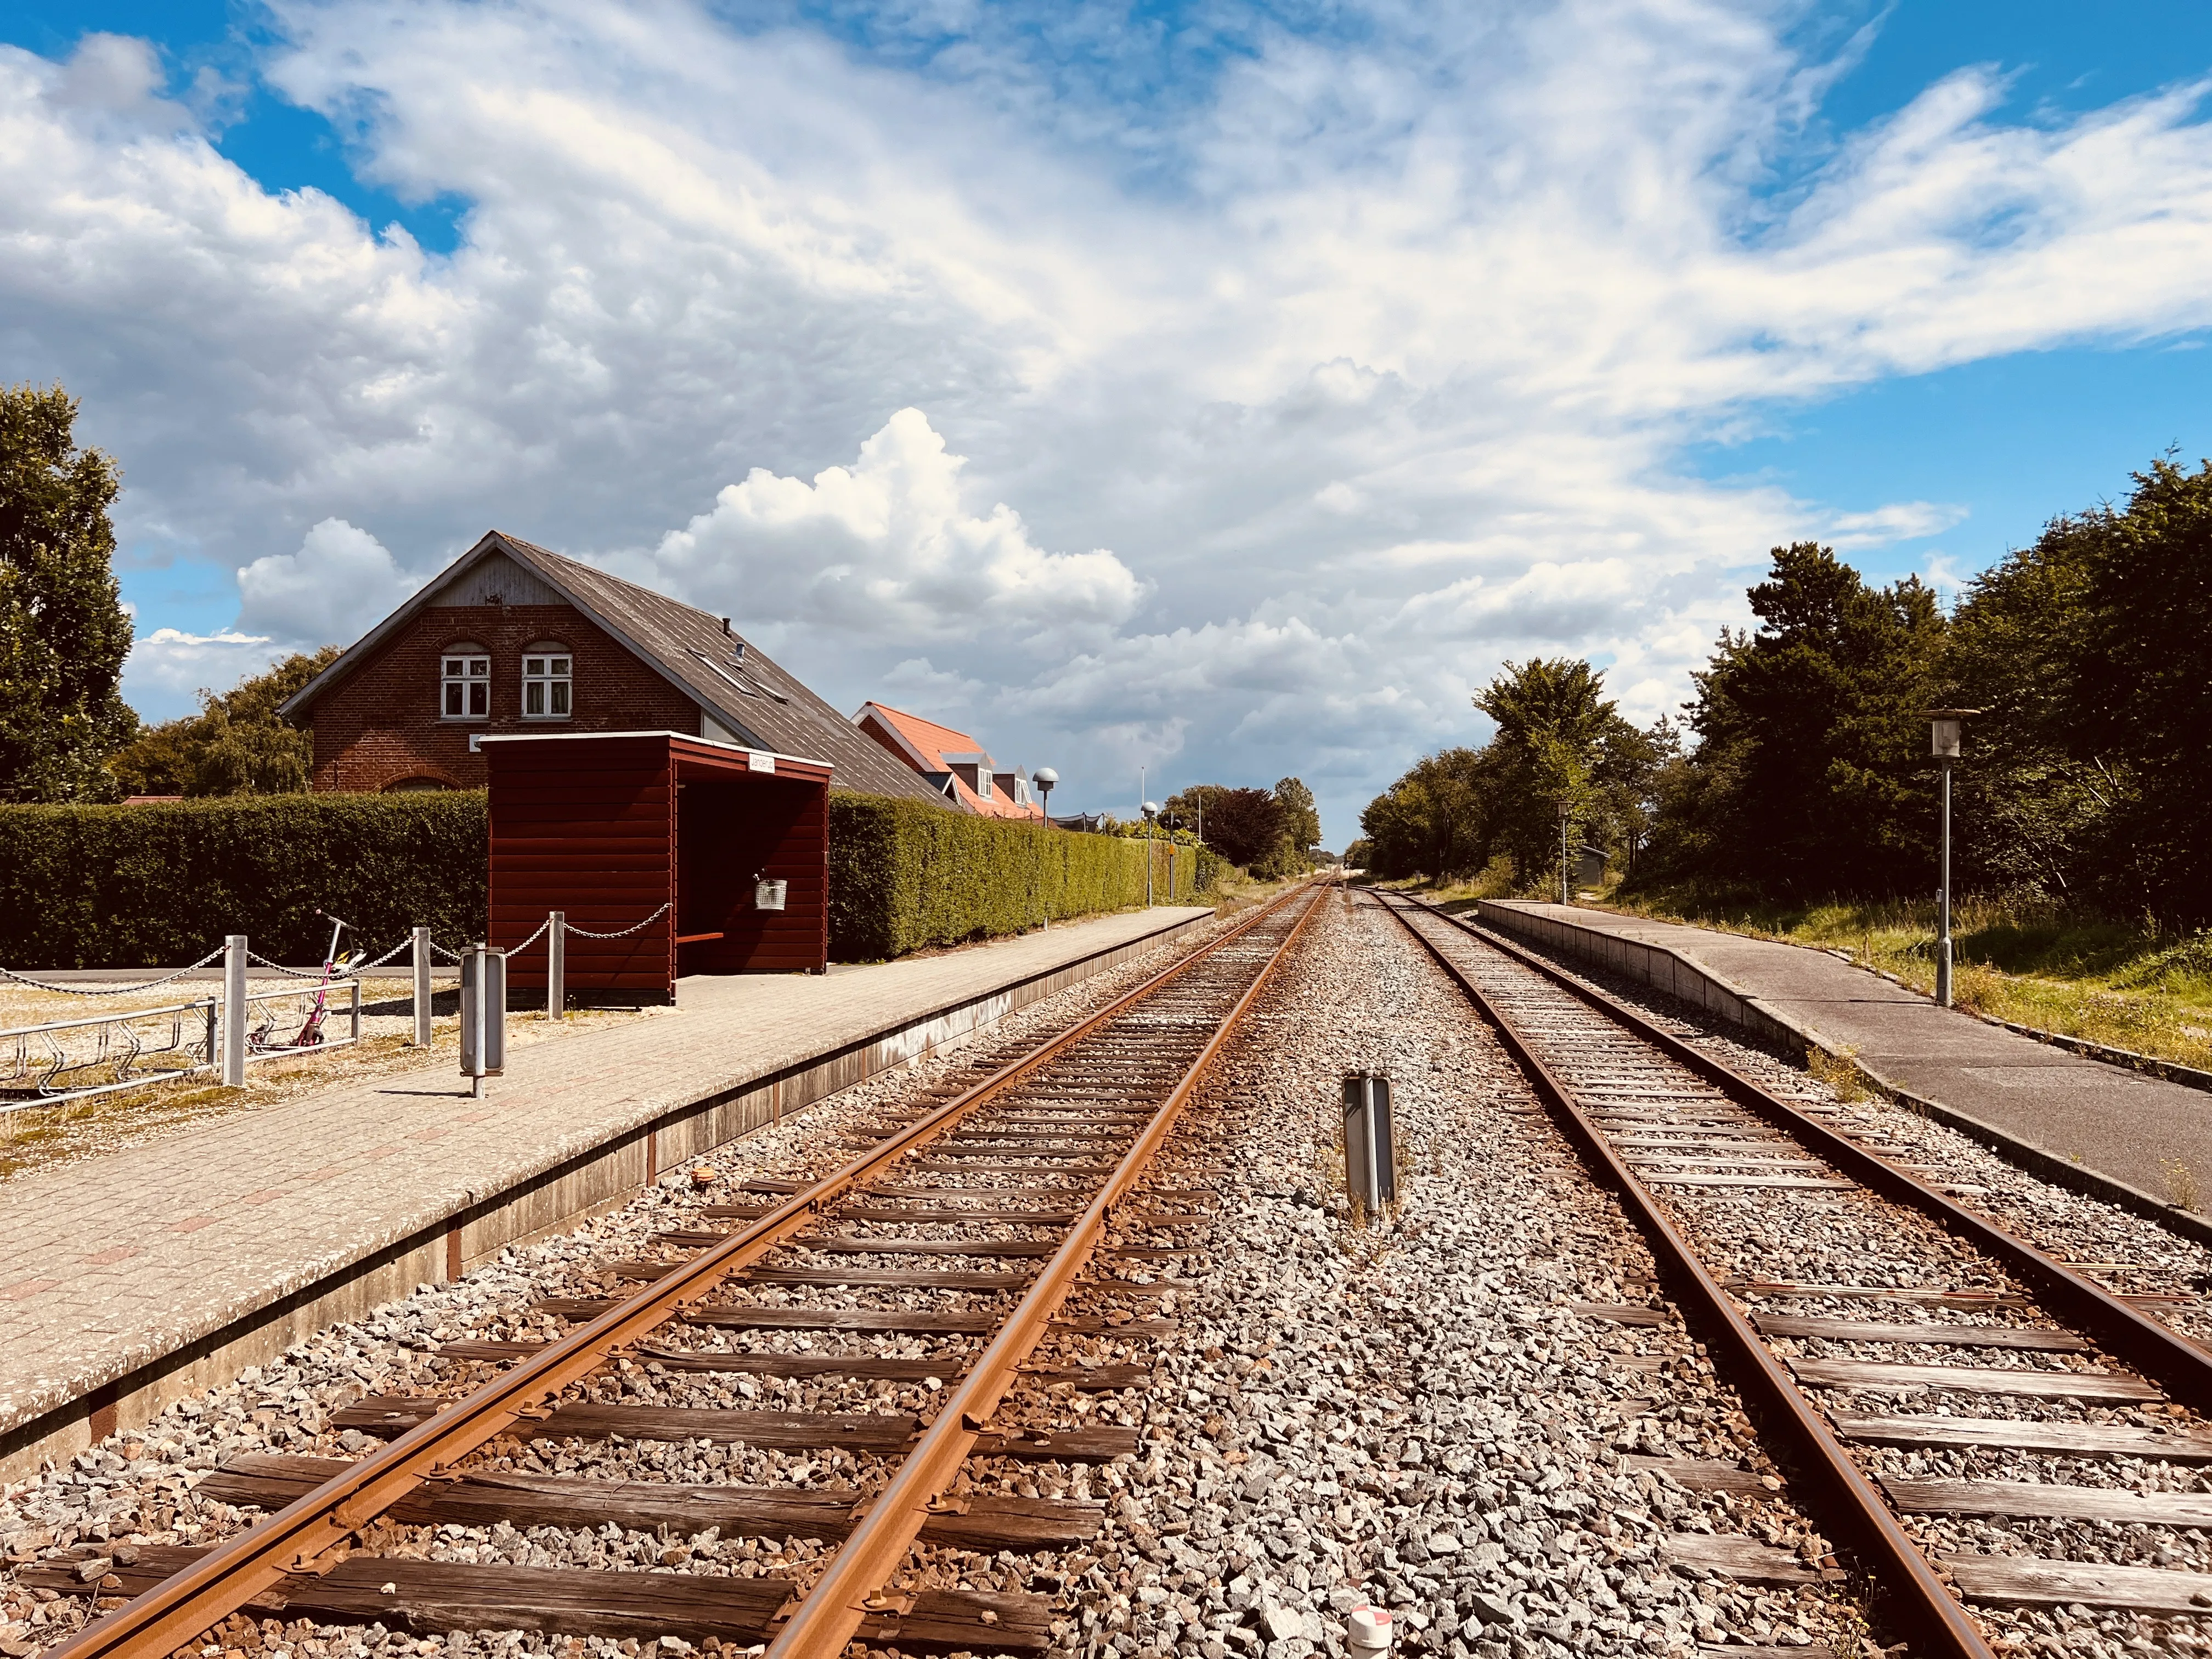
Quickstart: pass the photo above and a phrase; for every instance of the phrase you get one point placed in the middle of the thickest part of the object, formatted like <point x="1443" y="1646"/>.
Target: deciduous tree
<point x="237" y="745"/>
<point x="64" y="632"/>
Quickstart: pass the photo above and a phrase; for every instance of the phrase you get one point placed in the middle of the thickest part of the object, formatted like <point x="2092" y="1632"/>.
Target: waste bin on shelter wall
<point x="609" y="827"/>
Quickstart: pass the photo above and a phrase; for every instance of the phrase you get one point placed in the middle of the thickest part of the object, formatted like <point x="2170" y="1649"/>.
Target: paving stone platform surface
<point x="113" y="1262"/>
<point x="2123" y="1124"/>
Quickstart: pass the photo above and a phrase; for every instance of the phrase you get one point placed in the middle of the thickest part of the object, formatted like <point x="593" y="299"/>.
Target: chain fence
<point x="61" y="1060"/>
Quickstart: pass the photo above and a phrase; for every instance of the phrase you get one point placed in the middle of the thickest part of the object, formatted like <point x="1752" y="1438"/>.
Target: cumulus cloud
<point x="169" y="668"/>
<point x="338" y="583"/>
<point x="1367" y="349"/>
<point x="886" y="548"/>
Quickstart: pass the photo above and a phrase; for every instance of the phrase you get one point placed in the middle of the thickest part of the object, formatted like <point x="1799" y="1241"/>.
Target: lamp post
<point x="1566" y="812"/>
<point x="1944" y="726"/>
<point x="1044" y="777"/>
<point x="1152" y="810"/>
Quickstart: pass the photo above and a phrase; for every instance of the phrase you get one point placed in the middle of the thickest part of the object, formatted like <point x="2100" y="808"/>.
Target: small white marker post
<point x="422" y="987"/>
<point x="1367" y="1631"/>
<point x="484" y="1016"/>
<point x="233" y="1011"/>
<point x="556" y="964"/>
<point x="1370" y="1171"/>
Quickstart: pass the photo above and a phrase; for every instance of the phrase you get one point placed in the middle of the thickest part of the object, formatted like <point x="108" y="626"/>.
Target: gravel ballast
<point x="1419" y="1410"/>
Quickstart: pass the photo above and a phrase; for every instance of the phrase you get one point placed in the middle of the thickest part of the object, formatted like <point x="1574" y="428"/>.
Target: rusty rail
<point x="1916" y="1603"/>
<point x="832" y="1613"/>
<point x="294" y="1540"/>
<point x="2179" y="1365"/>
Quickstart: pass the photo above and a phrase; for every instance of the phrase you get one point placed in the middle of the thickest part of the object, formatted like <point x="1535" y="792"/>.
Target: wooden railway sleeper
<point x="255" y="1563"/>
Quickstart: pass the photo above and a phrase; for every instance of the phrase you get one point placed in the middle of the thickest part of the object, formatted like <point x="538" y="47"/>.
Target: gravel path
<point x="1410" y="1413"/>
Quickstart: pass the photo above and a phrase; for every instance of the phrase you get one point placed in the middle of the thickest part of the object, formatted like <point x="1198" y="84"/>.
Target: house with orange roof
<point x="954" y="763"/>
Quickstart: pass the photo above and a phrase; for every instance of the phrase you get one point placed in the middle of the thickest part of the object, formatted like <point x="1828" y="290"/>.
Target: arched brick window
<point x="547" y="681"/>
<point x="464" y="682"/>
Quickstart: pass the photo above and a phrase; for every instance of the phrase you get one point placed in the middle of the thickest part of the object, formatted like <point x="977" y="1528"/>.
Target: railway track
<point x="970" y="1241"/>
<point x="2044" y="1406"/>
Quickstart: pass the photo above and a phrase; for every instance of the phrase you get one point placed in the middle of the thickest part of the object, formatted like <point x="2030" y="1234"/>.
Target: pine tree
<point x="64" y="632"/>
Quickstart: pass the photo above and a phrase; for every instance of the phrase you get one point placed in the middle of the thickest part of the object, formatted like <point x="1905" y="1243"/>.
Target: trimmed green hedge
<point x="159" y="885"/>
<point x="904" y="874"/>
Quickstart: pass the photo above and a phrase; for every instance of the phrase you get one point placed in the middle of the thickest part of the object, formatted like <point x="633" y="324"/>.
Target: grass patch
<point x="2124" y="984"/>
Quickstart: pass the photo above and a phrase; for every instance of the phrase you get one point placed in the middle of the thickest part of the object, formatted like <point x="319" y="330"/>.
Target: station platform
<point x="2086" y="1123"/>
<point x="134" y="1278"/>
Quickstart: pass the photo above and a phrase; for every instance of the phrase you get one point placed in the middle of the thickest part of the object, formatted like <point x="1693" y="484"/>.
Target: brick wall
<point x="380" y="726"/>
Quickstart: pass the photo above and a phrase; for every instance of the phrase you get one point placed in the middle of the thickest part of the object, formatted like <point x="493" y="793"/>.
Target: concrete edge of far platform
<point x="1683" y="976"/>
<point x="540" y="1198"/>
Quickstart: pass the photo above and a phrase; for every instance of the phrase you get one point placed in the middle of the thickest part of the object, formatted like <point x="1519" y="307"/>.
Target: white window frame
<point x="464" y="669"/>
<point x="539" y="664"/>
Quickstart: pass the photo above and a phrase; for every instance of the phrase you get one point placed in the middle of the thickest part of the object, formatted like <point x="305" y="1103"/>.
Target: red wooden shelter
<point x="611" y="827"/>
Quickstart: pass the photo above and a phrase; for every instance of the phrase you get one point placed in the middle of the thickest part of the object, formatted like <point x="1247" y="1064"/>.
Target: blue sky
<point x="1219" y="388"/>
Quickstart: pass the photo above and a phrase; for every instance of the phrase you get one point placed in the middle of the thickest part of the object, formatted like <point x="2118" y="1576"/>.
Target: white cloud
<point x="338" y="584"/>
<point x="1367" y="357"/>
<point x="169" y="668"/>
<point x="1900" y="521"/>
<point x="886" y="549"/>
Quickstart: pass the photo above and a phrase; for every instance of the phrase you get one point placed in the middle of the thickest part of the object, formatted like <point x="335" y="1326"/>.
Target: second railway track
<point x="972" y="1234"/>
<point x="2036" y="1399"/>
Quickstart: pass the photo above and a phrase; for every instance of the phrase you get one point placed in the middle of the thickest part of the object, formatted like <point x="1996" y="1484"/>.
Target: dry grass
<point x="35" y="1138"/>
<point x="2180" y="1182"/>
<point x="2123" y="985"/>
<point x="1839" y="1071"/>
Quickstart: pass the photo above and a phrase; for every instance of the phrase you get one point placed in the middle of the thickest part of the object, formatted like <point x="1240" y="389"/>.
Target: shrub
<point x="159" y="885"/>
<point x="904" y="874"/>
<point x="156" y="885"/>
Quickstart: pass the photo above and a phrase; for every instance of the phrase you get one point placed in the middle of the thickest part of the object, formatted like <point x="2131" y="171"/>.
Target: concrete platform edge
<point x="1670" y="970"/>
<point x="578" y="1177"/>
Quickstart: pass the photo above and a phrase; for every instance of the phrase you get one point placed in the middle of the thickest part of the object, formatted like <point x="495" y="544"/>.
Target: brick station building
<point x="511" y="638"/>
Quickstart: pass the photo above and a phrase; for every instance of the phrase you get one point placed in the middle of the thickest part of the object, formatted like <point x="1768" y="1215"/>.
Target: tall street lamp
<point x="1943" y="743"/>
<point x="1044" y="777"/>
<point x="1152" y="809"/>
<point x="1566" y="812"/>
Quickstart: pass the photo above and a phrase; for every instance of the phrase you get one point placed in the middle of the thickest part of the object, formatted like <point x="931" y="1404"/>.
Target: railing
<point x="65" y="1059"/>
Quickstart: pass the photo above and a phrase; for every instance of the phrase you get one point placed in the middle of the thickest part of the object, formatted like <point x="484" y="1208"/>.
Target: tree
<point x="1811" y="775"/>
<point x="2040" y="798"/>
<point x="237" y="745"/>
<point x="2088" y="777"/>
<point x="1301" y="819"/>
<point x="1560" y="742"/>
<point x="64" y="632"/>
<point x="1431" y="821"/>
<point x="1245" y="826"/>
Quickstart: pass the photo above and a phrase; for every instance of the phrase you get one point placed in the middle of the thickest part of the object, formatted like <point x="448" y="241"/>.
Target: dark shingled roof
<point x="762" y="705"/>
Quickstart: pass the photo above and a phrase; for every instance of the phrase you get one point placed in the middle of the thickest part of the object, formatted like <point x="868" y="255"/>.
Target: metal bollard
<point x="422" y="987"/>
<point x="233" y="1011"/>
<point x="355" y="1033"/>
<point x="484" y="1015"/>
<point x="1370" y="1164"/>
<point x="556" y="964"/>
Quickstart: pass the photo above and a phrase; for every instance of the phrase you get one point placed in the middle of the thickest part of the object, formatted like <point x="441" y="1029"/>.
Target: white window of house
<point x="546" y="682"/>
<point x="464" y="683"/>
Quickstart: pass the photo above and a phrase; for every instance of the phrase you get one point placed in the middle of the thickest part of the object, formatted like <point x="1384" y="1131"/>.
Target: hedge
<point x="904" y="874"/>
<point x="159" y="885"/>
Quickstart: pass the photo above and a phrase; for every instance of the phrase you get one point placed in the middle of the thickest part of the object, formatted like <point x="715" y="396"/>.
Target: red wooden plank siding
<point x="608" y="830"/>
<point x="585" y="828"/>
